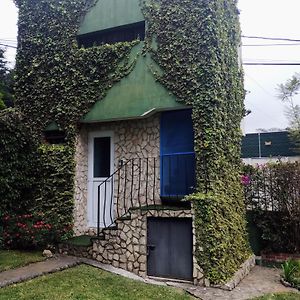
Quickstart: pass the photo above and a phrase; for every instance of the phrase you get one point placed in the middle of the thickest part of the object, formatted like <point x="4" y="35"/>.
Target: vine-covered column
<point x="197" y="45"/>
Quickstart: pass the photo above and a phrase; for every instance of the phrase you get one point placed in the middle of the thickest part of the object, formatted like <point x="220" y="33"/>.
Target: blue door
<point x="177" y="154"/>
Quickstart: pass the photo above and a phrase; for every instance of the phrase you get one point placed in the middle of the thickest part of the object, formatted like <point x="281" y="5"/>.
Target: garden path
<point x="260" y="281"/>
<point x="37" y="269"/>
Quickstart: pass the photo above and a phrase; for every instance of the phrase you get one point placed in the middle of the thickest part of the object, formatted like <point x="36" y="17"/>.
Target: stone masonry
<point x="126" y="246"/>
<point x="138" y="139"/>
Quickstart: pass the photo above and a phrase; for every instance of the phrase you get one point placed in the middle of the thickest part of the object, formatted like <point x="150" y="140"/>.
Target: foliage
<point x="272" y="194"/>
<point x="18" y="158"/>
<point x="1" y="231"/>
<point x="31" y="231"/>
<point x="10" y="259"/>
<point x="6" y="83"/>
<point x="66" y="80"/>
<point x="54" y="193"/>
<point x="287" y="94"/>
<point x="85" y="282"/>
<point x="279" y="296"/>
<point x="291" y="272"/>
<point x="197" y="48"/>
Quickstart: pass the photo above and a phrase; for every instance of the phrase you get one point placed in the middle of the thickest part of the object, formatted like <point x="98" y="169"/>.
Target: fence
<point x="272" y="195"/>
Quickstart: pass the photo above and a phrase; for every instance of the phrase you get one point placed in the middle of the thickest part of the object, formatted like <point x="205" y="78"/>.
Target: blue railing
<point x="177" y="175"/>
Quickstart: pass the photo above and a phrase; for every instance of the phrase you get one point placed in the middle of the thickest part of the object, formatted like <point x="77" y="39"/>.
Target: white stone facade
<point x="136" y="139"/>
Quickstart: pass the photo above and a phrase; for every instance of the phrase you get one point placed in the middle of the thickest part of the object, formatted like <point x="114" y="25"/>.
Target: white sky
<point x="270" y="18"/>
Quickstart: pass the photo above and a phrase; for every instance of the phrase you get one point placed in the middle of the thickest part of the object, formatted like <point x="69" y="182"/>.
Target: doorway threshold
<point x="165" y="279"/>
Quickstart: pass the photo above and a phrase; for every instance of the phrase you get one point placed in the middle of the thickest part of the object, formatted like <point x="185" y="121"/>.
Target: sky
<point x="267" y="18"/>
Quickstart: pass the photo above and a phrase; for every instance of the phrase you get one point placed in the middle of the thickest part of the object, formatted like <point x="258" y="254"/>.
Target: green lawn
<point x="283" y="296"/>
<point x="10" y="259"/>
<point x="88" y="283"/>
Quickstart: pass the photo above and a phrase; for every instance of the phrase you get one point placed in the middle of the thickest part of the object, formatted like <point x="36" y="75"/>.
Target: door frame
<point x="91" y="136"/>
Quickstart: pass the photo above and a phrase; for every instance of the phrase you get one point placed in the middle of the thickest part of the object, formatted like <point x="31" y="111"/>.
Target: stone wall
<point x="126" y="246"/>
<point x="134" y="139"/>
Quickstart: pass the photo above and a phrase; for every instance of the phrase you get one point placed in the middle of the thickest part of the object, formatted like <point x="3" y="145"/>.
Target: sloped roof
<point x="110" y="13"/>
<point x="136" y="96"/>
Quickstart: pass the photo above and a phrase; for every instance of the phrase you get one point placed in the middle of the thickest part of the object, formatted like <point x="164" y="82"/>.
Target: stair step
<point x="124" y="218"/>
<point x="115" y="227"/>
<point x="79" y="241"/>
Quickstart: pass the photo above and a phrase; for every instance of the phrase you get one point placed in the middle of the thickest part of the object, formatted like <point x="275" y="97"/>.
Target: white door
<point x="100" y="185"/>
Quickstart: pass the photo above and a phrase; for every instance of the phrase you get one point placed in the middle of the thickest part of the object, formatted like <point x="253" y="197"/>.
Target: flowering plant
<point x="245" y="179"/>
<point x="30" y="231"/>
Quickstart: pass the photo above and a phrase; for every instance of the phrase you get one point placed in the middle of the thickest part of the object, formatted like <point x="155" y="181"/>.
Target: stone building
<point x="135" y="161"/>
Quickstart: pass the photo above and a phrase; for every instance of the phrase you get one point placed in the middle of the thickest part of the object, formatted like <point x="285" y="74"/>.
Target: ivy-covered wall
<point x="195" y="43"/>
<point x="56" y="80"/>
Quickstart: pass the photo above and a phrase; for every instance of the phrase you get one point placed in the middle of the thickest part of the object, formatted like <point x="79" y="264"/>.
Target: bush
<point x="272" y="193"/>
<point x="291" y="272"/>
<point x="18" y="157"/>
<point x="32" y="231"/>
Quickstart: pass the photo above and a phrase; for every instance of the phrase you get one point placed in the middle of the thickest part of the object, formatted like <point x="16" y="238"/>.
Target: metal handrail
<point x="136" y="185"/>
<point x="98" y="203"/>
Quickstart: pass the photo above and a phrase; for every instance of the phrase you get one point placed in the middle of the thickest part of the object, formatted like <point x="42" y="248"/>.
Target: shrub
<point x="31" y="231"/>
<point x="291" y="272"/>
<point x="18" y="157"/>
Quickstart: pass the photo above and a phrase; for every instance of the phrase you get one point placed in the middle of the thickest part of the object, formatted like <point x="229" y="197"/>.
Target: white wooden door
<point x="100" y="185"/>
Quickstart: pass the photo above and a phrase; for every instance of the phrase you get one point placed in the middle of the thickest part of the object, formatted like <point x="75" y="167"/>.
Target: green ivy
<point x="59" y="80"/>
<point x="55" y="191"/>
<point x="17" y="163"/>
<point x="197" y="45"/>
<point x="56" y="81"/>
<point x="195" y="42"/>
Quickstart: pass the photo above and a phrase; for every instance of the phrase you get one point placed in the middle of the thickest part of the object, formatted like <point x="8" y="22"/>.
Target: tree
<point x="287" y="94"/>
<point x="6" y="83"/>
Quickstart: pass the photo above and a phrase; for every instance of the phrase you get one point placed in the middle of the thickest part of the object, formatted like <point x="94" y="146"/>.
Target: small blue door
<point x="177" y="154"/>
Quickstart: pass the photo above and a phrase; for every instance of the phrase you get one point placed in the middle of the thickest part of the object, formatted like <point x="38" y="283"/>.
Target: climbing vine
<point x="196" y="45"/>
<point x="195" y="42"/>
<point x="56" y="81"/>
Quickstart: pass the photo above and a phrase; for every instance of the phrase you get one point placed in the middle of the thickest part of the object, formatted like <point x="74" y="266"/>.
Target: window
<point x="102" y="157"/>
<point x="53" y="134"/>
<point x="126" y="33"/>
<point x="54" y="137"/>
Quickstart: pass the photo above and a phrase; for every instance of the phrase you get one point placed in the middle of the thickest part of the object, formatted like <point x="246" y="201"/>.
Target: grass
<point x="88" y="283"/>
<point x="280" y="296"/>
<point x="10" y="259"/>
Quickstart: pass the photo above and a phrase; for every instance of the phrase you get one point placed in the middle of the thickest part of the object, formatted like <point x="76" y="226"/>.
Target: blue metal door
<point x="177" y="154"/>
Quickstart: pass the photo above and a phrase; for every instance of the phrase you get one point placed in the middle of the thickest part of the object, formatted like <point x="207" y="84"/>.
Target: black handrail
<point x="136" y="185"/>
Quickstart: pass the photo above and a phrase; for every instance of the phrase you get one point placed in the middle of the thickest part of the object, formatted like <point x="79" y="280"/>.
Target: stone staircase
<point x="124" y="245"/>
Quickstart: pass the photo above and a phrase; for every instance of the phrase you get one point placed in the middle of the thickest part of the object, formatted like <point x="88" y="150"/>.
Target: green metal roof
<point x="109" y="14"/>
<point x="271" y="144"/>
<point x="136" y="96"/>
<point x="52" y="127"/>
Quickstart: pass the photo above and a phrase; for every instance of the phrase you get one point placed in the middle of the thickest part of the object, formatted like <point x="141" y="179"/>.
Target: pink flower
<point x="245" y="179"/>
